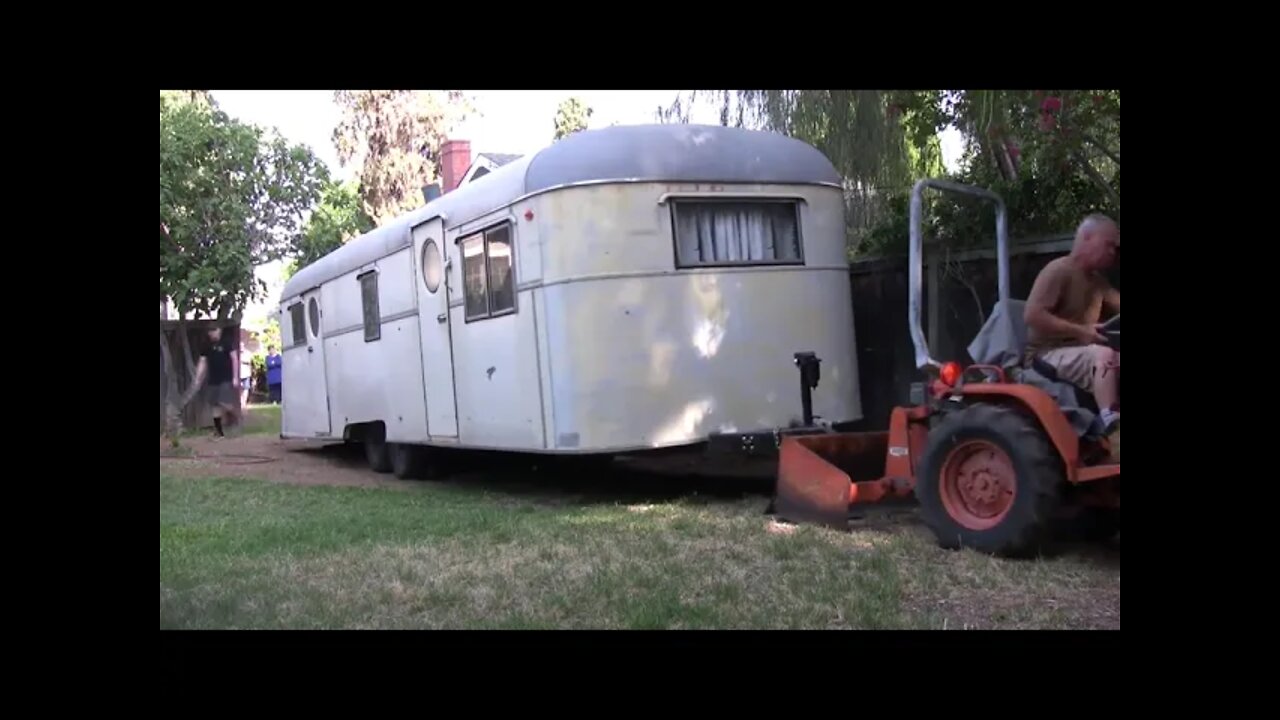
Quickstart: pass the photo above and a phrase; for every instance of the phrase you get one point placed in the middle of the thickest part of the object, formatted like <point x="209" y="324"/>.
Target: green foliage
<point x="394" y="136"/>
<point x="571" y="117"/>
<point x="338" y="218"/>
<point x="853" y="128"/>
<point x="231" y="197"/>
<point x="1054" y="155"/>
<point x="270" y="336"/>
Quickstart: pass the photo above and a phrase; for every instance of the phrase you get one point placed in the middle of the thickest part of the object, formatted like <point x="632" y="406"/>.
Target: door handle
<point x="310" y="349"/>
<point x="442" y="318"/>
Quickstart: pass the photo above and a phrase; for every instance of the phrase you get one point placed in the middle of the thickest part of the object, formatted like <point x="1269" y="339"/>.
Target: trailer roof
<point x="622" y="153"/>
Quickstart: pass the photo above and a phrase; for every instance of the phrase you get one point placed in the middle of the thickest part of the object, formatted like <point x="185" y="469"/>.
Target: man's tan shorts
<point x="1076" y="365"/>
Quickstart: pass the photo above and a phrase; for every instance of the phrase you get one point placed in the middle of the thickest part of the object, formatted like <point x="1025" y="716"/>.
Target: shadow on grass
<point x="569" y="480"/>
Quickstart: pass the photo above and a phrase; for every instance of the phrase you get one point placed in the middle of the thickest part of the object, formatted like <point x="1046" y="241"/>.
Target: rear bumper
<point x="755" y="443"/>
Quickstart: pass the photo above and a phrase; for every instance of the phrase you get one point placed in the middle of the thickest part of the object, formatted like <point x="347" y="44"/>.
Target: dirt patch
<point x="271" y="458"/>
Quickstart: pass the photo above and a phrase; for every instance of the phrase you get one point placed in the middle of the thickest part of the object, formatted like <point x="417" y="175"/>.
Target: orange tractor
<point x="1001" y="457"/>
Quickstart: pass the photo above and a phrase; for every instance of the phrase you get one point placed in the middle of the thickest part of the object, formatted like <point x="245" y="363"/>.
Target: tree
<point x="231" y="198"/>
<point x="1055" y="154"/>
<point x="851" y="127"/>
<point x="338" y="218"/>
<point x="394" y="136"/>
<point x="869" y="145"/>
<point x="571" y="117"/>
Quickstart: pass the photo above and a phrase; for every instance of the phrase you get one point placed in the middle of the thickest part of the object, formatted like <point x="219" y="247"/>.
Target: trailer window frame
<point x="297" y="325"/>
<point x="485" y="236"/>
<point x="677" y="202"/>
<point x="370" y="308"/>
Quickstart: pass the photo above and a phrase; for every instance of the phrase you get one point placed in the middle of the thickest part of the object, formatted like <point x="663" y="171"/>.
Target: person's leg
<point x="1106" y="378"/>
<point x="231" y="405"/>
<point x="274" y="391"/>
<point x="213" y="398"/>
<point x="225" y="405"/>
<point x="1094" y="369"/>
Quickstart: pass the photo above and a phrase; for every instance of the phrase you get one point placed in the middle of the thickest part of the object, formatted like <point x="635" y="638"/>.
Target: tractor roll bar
<point x="916" y="259"/>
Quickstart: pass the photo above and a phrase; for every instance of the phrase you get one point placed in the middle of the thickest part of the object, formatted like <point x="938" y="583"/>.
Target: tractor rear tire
<point x="990" y="480"/>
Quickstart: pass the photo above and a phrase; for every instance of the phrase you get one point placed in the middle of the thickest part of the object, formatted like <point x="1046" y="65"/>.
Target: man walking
<point x="216" y="367"/>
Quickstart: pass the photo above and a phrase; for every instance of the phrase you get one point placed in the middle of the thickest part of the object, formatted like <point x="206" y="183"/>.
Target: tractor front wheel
<point x="990" y="480"/>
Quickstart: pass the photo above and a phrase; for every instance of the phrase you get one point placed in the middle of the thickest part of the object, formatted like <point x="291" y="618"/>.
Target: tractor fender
<point x="1038" y="404"/>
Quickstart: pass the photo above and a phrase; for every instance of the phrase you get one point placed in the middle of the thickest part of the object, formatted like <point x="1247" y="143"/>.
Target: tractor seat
<point x="1017" y="328"/>
<point x="1084" y="398"/>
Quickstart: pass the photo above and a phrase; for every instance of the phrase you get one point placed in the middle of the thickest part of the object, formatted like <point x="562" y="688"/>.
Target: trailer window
<point x="488" y="273"/>
<point x="474" y="277"/>
<point x="369" y="304"/>
<point x="313" y="310"/>
<point x="297" y="324"/>
<point x="502" y="292"/>
<point x="432" y="272"/>
<point x="738" y="232"/>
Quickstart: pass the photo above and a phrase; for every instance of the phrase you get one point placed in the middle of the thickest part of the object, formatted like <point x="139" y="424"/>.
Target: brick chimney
<point x="455" y="158"/>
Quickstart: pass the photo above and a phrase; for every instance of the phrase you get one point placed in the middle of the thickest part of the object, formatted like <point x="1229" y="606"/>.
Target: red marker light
<point x="950" y="373"/>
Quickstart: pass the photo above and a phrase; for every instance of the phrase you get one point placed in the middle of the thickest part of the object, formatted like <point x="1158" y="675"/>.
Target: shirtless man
<point x="1063" y="310"/>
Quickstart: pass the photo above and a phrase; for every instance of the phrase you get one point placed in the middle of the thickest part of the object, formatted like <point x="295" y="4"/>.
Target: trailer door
<point x="305" y="393"/>
<point x="433" y="319"/>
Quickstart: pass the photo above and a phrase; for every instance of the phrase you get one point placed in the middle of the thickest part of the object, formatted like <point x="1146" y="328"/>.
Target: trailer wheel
<point x="376" y="450"/>
<point x="990" y="480"/>
<point x="409" y="462"/>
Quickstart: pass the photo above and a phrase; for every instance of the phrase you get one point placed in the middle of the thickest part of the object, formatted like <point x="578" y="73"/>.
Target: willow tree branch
<point x="1115" y="158"/>
<point x="1099" y="180"/>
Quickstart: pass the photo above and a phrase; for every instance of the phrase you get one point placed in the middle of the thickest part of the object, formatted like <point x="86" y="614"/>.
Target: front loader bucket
<point x="816" y="475"/>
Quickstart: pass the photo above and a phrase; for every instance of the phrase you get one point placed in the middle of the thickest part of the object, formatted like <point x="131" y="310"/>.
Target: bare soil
<point x="271" y="458"/>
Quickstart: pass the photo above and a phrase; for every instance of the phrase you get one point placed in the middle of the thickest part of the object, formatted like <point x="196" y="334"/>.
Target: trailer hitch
<point x="808" y="362"/>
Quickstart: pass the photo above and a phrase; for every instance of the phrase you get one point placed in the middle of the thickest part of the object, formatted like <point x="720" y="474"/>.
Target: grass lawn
<point x="262" y="420"/>
<point x="245" y="553"/>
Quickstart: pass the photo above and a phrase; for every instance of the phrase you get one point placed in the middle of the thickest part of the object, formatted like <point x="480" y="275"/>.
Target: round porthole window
<point x="313" y="310"/>
<point x="431" y="266"/>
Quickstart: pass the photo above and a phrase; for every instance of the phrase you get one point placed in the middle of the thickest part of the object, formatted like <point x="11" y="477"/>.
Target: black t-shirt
<point x="218" y="356"/>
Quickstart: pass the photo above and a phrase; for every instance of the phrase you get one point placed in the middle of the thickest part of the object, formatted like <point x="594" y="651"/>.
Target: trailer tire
<point x="990" y="480"/>
<point x="376" y="450"/>
<point x="409" y="462"/>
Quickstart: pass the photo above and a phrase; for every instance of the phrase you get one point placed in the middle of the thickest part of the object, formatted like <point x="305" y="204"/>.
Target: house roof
<point x="484" y="164"/>
<point x="499" y="159"/>
<point x="676" y="153"/>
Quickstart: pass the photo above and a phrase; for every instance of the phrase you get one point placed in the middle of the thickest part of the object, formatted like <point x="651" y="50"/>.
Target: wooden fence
<point x="960" y="290"/>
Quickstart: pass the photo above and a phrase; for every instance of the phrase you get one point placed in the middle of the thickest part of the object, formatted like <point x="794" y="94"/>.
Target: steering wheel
<point x="1111" y="331"/>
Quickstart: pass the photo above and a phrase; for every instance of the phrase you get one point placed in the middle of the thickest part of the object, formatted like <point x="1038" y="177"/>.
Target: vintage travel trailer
<point x="621" y="290"/>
